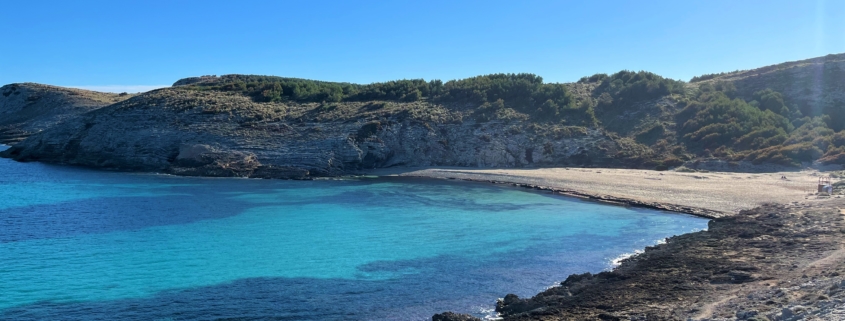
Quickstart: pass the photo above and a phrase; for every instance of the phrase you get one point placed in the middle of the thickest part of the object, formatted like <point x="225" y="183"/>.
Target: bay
<point x="95" y="245"/>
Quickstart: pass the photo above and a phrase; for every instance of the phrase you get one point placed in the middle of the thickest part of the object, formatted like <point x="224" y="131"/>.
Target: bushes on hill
<point x="522" y="93"/>
<point x="714" y="120"/>
<point x="619" y="92"/>
<point x="771" y="100"/>
<point x="525" y="93"/>
<point x="759" y="127"/>
<point x="628" y="86"/>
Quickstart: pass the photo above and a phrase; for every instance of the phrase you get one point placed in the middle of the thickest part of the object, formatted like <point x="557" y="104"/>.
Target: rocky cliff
<point x="28" y="108"/>
<point x="188" y="132"/>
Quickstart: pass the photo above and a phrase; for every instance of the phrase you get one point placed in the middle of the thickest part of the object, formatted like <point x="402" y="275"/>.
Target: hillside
<point x="191" y="132"/>
<point x="29" y="108"/>
<point x="812" y="86"/>
<point x="264" y="126"/>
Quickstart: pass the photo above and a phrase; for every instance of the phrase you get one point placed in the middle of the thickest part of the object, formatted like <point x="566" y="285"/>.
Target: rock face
<point x="29" y="108"/>
<point x="189" y="132"/>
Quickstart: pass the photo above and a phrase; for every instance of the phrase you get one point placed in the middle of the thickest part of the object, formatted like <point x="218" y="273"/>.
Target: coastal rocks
<point x="769" y="263"/>
<point x="511" y="304"/>
<point x="791" y="314"/>
<point x="734" y="277"/>
<point x="747" y="315"/>
<point x="450" y="316"/>
<point x="216" y="163"/>
<point x="203" y="160"/>
<point x="195" y="154"/>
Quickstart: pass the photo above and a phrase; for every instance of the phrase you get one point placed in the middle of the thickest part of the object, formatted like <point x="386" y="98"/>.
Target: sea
<point x="83" y="244"/>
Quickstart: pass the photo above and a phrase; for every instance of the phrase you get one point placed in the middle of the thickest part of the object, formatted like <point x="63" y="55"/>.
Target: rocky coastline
<point x="774" y="262"/>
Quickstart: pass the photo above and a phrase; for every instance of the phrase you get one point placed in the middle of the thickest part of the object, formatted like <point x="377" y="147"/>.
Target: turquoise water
<point x="88" y="245"/>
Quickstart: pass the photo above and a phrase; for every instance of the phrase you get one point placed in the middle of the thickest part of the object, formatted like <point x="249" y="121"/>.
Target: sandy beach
<point x="722" y="192"/>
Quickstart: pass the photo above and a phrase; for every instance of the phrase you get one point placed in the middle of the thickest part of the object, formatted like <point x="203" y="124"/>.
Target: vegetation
<point x="656" y="122"/>
<point x="626" y="87"/>
<point x="762" y="130"/>
<point x="494" y="94"/>
<point x="716" y="121"/>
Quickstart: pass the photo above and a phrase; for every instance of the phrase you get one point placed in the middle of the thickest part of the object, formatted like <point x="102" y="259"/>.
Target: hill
<point x="786" y="115"/>
<point x="28" y="108"/>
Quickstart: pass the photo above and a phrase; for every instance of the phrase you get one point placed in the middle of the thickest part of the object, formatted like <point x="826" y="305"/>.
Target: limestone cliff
<point x="189" y="132"/>
<point x="29" y="108"/>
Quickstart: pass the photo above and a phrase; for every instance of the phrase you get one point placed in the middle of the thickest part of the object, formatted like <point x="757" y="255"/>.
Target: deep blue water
<point x="78" y="244"/>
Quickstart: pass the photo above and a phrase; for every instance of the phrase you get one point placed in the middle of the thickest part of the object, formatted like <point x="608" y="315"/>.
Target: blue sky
<point x="117" y="45"/>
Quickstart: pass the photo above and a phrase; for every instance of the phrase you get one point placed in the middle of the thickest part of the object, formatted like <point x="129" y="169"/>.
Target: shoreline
<point x="782" y="260"/>
<point x="704" y="194"/>
<point x="763" y="264"/>
<point x="601" y="198"/>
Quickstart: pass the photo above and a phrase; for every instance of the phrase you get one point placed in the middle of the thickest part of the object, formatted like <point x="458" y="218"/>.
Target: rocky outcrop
<point x="771" y="263"/>
<point x="28" y="108"/>
<point x="189" y="132"/>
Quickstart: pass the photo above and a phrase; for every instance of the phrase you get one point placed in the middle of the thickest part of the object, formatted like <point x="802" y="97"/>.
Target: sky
<point x="139" y="45"/>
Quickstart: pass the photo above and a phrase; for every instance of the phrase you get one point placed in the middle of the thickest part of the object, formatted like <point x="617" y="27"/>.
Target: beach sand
<point x="724" y="192"/>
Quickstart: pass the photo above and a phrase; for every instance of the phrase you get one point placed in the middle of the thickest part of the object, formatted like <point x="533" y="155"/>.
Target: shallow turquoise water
<point x="82" y="244"/>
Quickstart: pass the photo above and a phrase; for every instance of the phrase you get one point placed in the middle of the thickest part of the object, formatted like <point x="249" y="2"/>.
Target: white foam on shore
<point x="618" y="260"/>
<point x="490" y="314"/>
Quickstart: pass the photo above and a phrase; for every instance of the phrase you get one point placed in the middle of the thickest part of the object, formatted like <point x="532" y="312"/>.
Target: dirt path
<point x="709" y="309"/>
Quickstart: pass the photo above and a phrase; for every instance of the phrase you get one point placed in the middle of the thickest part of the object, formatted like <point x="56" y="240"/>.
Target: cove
<point x="94" y="245"/>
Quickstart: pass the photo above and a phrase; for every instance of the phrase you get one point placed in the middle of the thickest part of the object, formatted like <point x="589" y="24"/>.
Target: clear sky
<point x="109" y="45"/>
